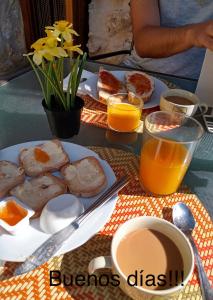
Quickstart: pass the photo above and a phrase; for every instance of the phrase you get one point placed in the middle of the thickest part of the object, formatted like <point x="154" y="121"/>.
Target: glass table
<point x="22" y="119"/>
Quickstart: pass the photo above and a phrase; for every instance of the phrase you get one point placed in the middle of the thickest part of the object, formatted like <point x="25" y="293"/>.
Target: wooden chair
<point x="38" y="14"/>
<point x="76" y="11"/>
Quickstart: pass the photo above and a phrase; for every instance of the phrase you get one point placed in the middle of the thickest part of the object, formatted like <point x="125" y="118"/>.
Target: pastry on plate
<point x="85" y="177"/>
<point x="46" y="157"/>
<point x="10" y="176"/>
<point x="36" y="192"/>
<point x="108" y="85"/>
<point x="139" y="83"/>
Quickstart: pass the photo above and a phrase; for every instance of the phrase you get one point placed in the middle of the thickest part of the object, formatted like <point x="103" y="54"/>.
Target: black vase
<point x="64" y="124"/>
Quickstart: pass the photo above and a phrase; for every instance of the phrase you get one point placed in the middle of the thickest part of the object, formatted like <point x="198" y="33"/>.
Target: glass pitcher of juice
<point x="168" y="145"/>
<point x="124" y="112"/>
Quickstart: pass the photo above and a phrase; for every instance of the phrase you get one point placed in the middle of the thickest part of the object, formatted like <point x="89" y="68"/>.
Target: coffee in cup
<point x="182" y="101"/>
<point x="150" y="256"/>
<point x="150" y="259"/>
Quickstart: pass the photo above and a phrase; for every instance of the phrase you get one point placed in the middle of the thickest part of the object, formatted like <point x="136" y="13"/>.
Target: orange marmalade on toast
<point x="41" y="155"/>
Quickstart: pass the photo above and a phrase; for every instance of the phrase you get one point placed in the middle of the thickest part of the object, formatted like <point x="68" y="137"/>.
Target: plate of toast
<point x="100" y="86"/>
<point x="37" y="172"/>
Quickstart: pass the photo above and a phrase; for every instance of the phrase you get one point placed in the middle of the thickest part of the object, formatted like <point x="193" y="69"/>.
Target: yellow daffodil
<point x="47" y="59"/>
<point x="37" y="56"/>
<point x="63" y="28"/>
<point x="70" y="47"/>
<point x="52" y="49"/>
<point x="39" y="51"/>
<point x="47" y="48"/>
<point x="51" y="42"/>
<point x="50" y="33"/>
<point x="38" y="45"/>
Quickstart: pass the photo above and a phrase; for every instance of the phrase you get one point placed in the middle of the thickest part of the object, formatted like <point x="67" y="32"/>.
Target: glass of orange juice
<point x="124" y="112"/>
<point x="168" y="144"/>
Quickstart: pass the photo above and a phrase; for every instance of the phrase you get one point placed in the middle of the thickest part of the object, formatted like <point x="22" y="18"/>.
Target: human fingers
<point x="208" y="42"/>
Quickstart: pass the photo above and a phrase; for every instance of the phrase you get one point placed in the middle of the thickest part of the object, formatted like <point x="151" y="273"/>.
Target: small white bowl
<point x="21" y="225"/>
<point x="59" y="212"/>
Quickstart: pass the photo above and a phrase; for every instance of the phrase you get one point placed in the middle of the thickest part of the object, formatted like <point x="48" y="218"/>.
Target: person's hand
<point x="201" y="35"/>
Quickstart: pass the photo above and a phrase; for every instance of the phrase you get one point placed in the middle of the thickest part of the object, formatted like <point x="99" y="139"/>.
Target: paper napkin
<point x="85" y="75"/>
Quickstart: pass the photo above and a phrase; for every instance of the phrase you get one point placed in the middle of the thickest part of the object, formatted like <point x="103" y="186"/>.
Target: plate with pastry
<point x="55" y="179"/>
<point x="106" y="83"/>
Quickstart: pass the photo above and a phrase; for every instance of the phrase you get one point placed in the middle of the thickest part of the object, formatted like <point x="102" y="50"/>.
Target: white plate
<point x="17" y="248"/>
<point x="89" y="87"/>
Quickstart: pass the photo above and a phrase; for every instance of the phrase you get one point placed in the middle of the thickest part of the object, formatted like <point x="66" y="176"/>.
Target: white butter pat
<point x="59" y="212"/>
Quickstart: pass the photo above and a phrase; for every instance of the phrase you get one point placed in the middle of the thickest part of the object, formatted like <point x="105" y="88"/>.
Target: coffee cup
<point x="127" y="284"/>
<point x="182" y="101"/>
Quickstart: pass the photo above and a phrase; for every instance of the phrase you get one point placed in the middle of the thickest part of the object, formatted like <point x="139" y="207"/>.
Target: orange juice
<point x="163" y="166"/>
<point x="123" y="116"/>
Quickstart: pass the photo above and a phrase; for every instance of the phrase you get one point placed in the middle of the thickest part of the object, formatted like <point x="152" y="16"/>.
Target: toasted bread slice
<point x="139" y="83"/>
<point x="47" y="157"/>
<point x="10" y="176"/>
<point x="108" y="85"/>
<point x="85" y="177"/>
<point x="36" y="192"/>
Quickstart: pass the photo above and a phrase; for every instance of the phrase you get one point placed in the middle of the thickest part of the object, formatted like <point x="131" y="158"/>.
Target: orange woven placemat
<point x="132" y="202"/>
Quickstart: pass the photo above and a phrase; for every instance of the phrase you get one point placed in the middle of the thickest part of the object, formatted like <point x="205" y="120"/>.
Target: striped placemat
<point x="95" y="113"/>
<point x="132" y="202"/>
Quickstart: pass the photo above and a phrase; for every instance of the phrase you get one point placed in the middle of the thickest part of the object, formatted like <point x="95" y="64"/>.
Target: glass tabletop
<point x="22" y="119"/>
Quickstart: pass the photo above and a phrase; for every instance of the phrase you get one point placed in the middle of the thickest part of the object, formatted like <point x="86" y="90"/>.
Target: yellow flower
<point x="70" y="47"/>
<point x="51" y="34"/>
<point x="47" y="48"/>
<point x="63" y="28"/>
<point x="51" y="42"/>
<point x="39" y="51"/>
<point x="38" y="45"/>
<point x="52" y="49"/>
<point x="61" y="25"/>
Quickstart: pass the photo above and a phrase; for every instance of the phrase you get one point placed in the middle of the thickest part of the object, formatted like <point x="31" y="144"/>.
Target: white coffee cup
<point x="189" y="110"/>
<point x="160" y="225"/>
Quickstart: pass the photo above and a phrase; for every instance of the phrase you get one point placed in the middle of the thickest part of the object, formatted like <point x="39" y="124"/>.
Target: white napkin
<point x="204" y="89"/>
<point x="81" y="89"/>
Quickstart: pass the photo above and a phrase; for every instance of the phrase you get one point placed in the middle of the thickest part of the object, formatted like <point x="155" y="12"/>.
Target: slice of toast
<point x="10" y="176"/>
<point x="139" y="83"/>
<point x="108" y="85"/>
<point x="47" y="157"/>
<point x="36" y="192"/>
<point x="85" y="177"/>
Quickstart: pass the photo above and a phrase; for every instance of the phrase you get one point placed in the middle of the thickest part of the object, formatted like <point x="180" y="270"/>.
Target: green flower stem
<point x="80" y="70"/>
<point x="61" y="60"/>
<point x="49" y="90"/>
<point x="72" y="84"/>
<point x="57" y="81"/>
<point x="58" y="70"/>
<point x="52" y="83"/>
<point x="39" y="79"/>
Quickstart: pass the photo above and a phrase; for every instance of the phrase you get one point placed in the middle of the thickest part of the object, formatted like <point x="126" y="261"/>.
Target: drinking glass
<point x="124" y="112"/>
<point x="168" y="144"/>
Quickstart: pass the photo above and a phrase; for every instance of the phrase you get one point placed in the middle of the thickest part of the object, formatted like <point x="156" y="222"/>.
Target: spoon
<point x="184" y="220"/>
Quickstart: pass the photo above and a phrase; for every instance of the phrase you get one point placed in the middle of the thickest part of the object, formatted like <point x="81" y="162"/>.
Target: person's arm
<point x="152" y="40"/>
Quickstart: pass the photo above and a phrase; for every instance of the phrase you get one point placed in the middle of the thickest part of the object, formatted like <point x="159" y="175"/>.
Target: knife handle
<point x="47" y="249"/>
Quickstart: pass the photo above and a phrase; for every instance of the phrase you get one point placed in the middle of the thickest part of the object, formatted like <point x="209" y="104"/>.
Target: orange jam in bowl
<point x="12" y="213"/>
